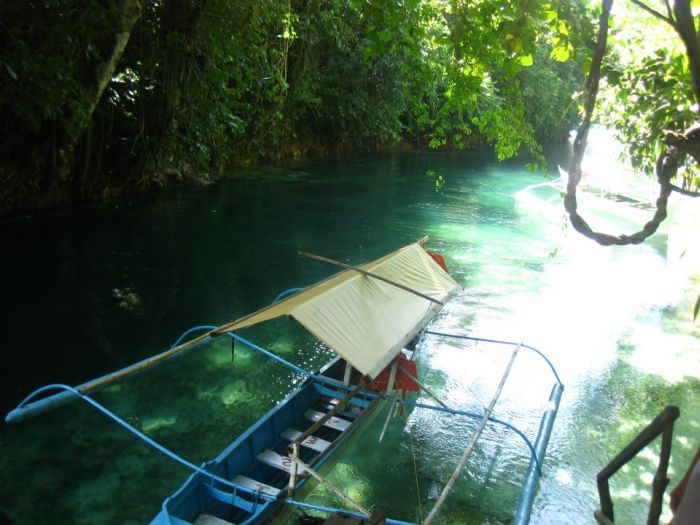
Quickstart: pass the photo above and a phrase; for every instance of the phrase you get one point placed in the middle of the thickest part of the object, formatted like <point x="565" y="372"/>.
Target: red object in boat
<point x="440" y="260"/>
<point x="403" y="381"/>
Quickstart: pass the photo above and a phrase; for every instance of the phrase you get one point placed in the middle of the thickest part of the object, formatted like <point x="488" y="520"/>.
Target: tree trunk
<point x="129" y="13"/>
<point x="686" y="29"/>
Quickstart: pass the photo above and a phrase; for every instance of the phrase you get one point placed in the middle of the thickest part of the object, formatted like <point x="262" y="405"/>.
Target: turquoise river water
<point x="88" y="292"/>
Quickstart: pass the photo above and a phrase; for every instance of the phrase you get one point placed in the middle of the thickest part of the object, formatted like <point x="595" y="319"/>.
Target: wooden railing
<point x="661" y="425"/>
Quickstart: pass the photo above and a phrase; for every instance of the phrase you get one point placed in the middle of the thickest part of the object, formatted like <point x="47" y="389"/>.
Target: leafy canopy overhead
<point x="679" y="149"/>
<point x="204" y="85"/>
<point x="479" y="53"/>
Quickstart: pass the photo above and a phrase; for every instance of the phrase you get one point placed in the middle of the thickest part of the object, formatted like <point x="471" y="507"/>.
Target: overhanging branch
<point x="654" y="12"/>
<point x="666" y="165"/>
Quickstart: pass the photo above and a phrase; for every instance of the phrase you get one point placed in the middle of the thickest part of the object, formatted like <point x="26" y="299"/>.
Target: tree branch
<point x="669" y="11"/>
<point x="686" y="193"/>
<point x="654" y="12"/>
<point x="129" y="13"/>
<point x="685" y="27"/>
<point x="666" y="165"/>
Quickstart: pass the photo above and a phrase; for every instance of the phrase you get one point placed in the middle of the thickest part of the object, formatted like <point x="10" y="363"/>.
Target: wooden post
<point x="392" y="377"/>
<point x="389" y="388"/>
<point x="425" y="388"/>
<point x="602" y="518"/>
<point x="348" y="373"/>
<point x="662" y="424"/>
<point x="660" y="480"/>
<point x="386" y="422"/>
<point x="606" y="504"/>
<point x="294" y="456"/>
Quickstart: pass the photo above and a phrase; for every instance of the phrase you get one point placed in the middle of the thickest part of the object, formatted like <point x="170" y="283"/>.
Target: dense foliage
<point x="98" y="97"/>
<point x="648" y="88"/>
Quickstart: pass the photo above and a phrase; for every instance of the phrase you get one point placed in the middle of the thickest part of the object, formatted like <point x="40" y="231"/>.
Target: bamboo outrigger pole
<point x="487" y="414"/>
<point x="370" y="274"/>
<point x="43" y="405"/>
<point x="331" y="486"/>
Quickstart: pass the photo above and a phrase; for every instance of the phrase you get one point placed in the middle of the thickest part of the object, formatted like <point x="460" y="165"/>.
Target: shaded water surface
<point x="88" y="293"/>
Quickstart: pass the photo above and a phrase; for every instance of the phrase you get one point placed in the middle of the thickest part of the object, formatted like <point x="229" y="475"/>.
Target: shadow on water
<point x="90" y="292"/>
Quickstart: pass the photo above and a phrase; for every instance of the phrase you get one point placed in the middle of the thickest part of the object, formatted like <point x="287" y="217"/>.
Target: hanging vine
<point x="678" y="145"/>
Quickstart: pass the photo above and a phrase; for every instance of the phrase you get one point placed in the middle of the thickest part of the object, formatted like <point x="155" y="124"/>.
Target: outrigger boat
<point x="372" y="317"/>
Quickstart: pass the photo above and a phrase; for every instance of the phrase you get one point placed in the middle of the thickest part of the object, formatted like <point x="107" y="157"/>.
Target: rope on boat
<point x="468" y="452"/>
<point x="415" y="470"/>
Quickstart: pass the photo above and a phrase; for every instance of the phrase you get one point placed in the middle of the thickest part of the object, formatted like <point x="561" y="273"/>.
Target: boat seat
<point x="325" y="404"/>
<point x="256" y="485"/>
<point x="312" y="442"/>
<point x="329" y="403"/>
<point x="329" y="400"/>
<point x="208" y="519"/>
<point x="272" y="458"/>
<point x="335" y="423"/>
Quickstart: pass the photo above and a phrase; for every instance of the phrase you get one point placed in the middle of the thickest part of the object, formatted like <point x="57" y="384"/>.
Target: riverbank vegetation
<point x="104" y="98"/>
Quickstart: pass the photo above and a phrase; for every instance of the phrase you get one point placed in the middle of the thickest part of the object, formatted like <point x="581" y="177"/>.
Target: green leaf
<point x="561" y="53"/>
<point x="11" y="72"/>
<point x="586" y="64"/>
<point x="696" y="309"/>
<point x="526" y="61"/>
<point x="384" y="36"/>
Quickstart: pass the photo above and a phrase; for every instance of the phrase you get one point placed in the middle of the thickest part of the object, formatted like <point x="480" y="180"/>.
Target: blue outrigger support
<point x="538" y="451"/>
<point x="529" y="487"/>
<point x="76" y="394"/>
<point x="28" y="408"/>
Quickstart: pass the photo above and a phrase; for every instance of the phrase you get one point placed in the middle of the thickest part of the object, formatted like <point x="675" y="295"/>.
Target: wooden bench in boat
<point x="329" y="403"/>
<point x="256" y="485"/>
<point x="336" y="423"/>
<point x="208" y="519"/>
<point x="272" y="458"/>
<point x="312" y="442"/>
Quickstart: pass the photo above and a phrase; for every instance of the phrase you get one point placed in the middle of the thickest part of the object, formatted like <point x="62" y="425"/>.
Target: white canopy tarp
<point x="363" y="319"/>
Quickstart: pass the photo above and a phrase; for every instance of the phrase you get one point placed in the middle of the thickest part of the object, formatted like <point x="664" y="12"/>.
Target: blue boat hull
<point x="247" y="458"/>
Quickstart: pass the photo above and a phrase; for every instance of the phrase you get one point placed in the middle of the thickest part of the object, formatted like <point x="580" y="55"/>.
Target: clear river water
<point x="88" y="292"/>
